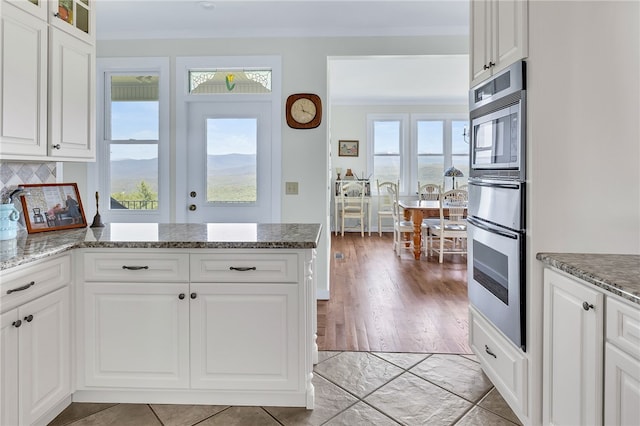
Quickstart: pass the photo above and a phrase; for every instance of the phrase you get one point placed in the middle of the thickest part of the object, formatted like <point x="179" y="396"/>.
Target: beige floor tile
<point x="402" y="360"/>
<point x="241" y="416"/>
<point x="325" y="355"/>
<point x="77" y="411"/>
<point x="122" y="415"/>
<point x="361" y="414"/>
<point x="471" y="357"/>
<point x="494" y="402"/>
<point x="413" y="401"/>
<point x="455" y="373"/>
<point x="358" y="372"/>
<point x="480" y="417"/>
<point x="329" y="401"/>
<point x="184" y="415"/>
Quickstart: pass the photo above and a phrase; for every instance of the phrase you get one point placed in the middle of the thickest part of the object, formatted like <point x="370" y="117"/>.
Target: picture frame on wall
<point x="52" y="206"/>
<point x="348" y="148"/>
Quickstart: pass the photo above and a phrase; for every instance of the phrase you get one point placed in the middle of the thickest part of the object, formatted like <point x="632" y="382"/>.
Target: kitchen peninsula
<point x="158" y="313"/>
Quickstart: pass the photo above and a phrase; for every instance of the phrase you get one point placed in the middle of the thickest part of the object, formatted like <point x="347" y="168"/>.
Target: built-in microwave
<point x="498" y="115"/>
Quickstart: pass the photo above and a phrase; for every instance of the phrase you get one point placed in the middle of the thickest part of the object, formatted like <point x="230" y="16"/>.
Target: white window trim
<point x="183" y="97"/>
<point x="405" y="171"/>
<point x="98" y="172"/>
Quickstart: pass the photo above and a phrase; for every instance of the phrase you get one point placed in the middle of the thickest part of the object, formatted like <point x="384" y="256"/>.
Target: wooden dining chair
<point x="352" y="193"/>
<point x="385" y="202"/>
<point x="401" y="226"/>
<point x="450" y="230"/>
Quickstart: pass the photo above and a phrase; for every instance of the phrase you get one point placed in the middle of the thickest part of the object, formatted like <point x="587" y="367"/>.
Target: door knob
<point x="192" y="207"/>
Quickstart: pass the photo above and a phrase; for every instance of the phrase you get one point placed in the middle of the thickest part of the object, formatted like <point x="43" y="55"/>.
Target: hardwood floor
<point x="381" y="302"/>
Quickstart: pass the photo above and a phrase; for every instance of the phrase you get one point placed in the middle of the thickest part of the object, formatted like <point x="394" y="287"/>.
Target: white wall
<point x="305" y="152"/>
<point x="583" y="139"/>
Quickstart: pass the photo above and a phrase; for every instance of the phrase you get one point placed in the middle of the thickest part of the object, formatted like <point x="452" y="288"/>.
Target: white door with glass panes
<point x="229" y="162"/>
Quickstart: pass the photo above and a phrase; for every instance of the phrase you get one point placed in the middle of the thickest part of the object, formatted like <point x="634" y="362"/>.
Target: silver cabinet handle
<point x="56" y="146"/>
<point x="24" y="287"/>
<point x="134" y="268"/>
<point x="242" y="268"/>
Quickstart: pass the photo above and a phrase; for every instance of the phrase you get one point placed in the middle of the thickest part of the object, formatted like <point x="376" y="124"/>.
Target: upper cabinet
<point x="47" y="76"/>
<point x="498" y="36"/>
<point x="75" y="17"/>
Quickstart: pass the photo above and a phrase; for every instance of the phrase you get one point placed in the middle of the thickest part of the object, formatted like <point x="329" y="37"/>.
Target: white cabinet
<point x="72" y="97"/>
<point x="47" y="81"/>
<point x="137" y="335"/>
<point x="23" y="85"/>
<point x="204" y="326"/>
<point x="498" y="36"/>
<point x="504" y="363"/>
<point x="622" y="364"/>
<point x="35" y="353"/>
<point x="572" y="358"/>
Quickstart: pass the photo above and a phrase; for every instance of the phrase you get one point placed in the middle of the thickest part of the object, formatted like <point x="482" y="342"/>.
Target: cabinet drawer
<point x="26" y="282"/>
<point x="505" y="365"/>
<point x="623" y="326"/>
<point x="244" y="267"/>
<point x="136" y="266"/>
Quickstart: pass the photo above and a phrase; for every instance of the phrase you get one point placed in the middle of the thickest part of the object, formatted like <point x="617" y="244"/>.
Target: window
<point x="419" y="153"/>
<point x="229" y="81"/>
<point x="132" y="164"/>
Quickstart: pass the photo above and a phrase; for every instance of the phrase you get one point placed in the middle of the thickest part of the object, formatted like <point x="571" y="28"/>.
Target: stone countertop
<point x="616" y="273"/>
<point x="30" y="247"/>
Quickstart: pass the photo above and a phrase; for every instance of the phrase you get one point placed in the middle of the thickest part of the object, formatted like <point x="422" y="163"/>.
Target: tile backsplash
<point x="16" y="173"/>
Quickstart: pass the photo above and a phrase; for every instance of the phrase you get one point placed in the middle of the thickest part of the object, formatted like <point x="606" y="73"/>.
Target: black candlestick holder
<point x="97" y="221"/>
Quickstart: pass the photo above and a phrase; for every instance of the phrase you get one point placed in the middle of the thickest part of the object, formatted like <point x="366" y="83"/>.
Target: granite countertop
<point x="30" y="247"/>
<point x="616" y="273"/>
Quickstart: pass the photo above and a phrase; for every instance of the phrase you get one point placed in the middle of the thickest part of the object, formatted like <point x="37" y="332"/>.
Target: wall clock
<point x="304" y="111"/>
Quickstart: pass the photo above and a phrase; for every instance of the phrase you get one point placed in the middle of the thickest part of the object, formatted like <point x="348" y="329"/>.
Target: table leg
<point x="417" y="230"/>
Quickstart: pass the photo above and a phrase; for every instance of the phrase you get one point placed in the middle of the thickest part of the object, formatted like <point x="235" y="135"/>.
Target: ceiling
<point x="416" y="79"/>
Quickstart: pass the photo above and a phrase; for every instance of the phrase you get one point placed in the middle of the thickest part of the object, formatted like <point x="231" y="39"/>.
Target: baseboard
<point x="322" y="294"/>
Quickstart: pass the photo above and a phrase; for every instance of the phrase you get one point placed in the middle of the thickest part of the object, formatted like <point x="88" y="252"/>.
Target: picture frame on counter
<point x="52" y="206"/>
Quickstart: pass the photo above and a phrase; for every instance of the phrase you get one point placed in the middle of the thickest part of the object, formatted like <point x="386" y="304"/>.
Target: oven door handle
<point x="494" y="185"/>
<point x="475" y="222"/>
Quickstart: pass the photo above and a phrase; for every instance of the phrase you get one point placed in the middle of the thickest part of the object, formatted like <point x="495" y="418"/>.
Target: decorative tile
<point x="184" y="415"/>
<point x="240" y="416"/>
<point x="494" y="402"/>
<point x="358" y="372"/>
<point x="402" y="360"/>
<point x="411" y="400"/>
<point x="77" y="411"/>
<point x="329" y="401"/>
<point x="325" y="355"/>
<point x="18" y="173"/>
<point x="361" y="414"/>
<point x="43" y="172"/>
<point x="122" y="415"/>
<point x="5" y="173"/>
<point x="481" y="417"/>
<point x="25" y="173"/>
<point x="456" y="374"/>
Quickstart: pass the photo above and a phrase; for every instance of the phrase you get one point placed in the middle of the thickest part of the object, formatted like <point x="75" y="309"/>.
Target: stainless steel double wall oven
<point x="496" y="215"/>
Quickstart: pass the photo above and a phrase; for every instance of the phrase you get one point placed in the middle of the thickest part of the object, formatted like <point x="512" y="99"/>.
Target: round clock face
<point x="303" y="110"/>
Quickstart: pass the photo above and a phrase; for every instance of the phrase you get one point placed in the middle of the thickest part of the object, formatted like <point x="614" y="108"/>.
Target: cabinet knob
<point x="181" y="296"/>
<point x="16" y="324"/>
<point x="193" y="194"/>
<point x="492" y="64"/>
<point x="28" y="318"/>
<point x="56" y="146"/>
<point x="194" y="295"/>
<point x="192" y="207"/>
<point x="586" y="306"/>
<point x="485" y="67"/>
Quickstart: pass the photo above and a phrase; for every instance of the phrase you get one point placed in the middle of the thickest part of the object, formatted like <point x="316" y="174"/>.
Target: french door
<point x="229" y="152"/>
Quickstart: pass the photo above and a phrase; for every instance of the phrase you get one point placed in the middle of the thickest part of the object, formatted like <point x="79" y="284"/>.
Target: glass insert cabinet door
<point x="77" y="13"/>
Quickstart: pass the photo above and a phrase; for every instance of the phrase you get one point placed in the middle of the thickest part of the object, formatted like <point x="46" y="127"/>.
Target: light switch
<point x="291" y="188"/>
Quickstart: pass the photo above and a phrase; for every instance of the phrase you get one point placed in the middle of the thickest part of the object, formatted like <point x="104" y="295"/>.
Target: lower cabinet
<point x="591" y="356"/>
<point x="34" y="358"/>
<point x="217" y="327"/>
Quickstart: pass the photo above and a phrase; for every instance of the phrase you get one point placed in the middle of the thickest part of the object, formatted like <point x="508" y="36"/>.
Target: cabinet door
<point x="44" y="354"/>
<point x="76" y="17"/>
<point x="136" y="335"/>
<point x="509" y="32"/>
<point x="245" y="337"/>
<point x="9" y="368"/>
<point x="621" y="387"/>
<point x="23" y="83"/>
<point x="572" y="356"/>
<point x="37" y="8"/>
<point x="71" y="104"/>
<point x="480" y="47"/>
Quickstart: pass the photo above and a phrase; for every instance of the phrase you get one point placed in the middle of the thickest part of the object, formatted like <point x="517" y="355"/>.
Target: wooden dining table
<point x="416" y="210"/>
